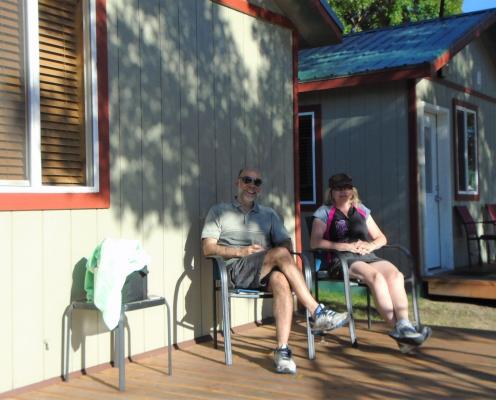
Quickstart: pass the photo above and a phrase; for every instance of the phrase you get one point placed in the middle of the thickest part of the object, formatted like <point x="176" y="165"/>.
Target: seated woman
<point x="344" y="224"/>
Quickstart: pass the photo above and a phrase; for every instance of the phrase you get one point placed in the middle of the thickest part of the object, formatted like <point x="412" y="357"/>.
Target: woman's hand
<point x="364" y="247"/>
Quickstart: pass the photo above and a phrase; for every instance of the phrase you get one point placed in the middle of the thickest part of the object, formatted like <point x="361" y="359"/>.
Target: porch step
<point x="462" y="287"/>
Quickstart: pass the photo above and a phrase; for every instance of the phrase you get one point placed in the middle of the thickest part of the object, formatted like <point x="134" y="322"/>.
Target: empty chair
<point x="470" y="226"/>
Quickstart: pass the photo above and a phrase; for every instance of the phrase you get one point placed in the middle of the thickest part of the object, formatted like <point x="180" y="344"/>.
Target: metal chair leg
<point x="67" y="319"/>
<point x="369" y="321"/>
<point x="120" y="350"/>
<point x="215" y="315"/>
<point x="169" y="337"/>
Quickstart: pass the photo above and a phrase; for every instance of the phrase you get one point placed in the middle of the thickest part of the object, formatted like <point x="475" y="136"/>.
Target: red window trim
<point x="316" y="109"/>
<point x="460" y="103"/>
<point x="62" y="201"/>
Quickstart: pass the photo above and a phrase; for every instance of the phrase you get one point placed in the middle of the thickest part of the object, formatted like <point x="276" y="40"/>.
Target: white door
<point x="432" y="232"/>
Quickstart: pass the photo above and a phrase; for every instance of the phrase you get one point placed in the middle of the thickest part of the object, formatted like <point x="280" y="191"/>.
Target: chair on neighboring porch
<point x="491" y="211"/>
<point x="470" y="226"/>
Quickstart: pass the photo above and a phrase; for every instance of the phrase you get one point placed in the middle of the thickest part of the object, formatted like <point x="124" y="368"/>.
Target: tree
<point x="363" y="15"/>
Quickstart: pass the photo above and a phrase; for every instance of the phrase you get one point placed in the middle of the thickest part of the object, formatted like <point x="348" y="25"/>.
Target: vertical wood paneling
<point x="6" y="304"/>
<point x="433" y="93"/>
<point x="27" y="277"/>
<point x="365" y="134"/>
<point x="222" y="62"/>
<point x="173" y="198"/>
<point x="239" y="140"/>
<point x="87" y="325"/>
<point x="151" y="104"/>
<point x="188" y="75"/>
<point x="197" y="90"/>
<point x="206" y="132"/>
<point x="57" y="268"/>
<point x="130" y="128"/>
<point x="252" y="98"/>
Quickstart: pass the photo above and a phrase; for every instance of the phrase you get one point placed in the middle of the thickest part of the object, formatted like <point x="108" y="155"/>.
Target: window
<point x="48" y="129"/>
<point x="310" y="157"/>
<point x="54" y="144"/>
<point x="466" y="139"/>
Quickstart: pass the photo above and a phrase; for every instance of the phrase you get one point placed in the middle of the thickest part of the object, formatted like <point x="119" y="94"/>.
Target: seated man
<point x="257" y="248"/>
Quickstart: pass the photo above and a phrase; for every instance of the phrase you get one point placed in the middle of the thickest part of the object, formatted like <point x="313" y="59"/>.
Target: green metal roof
<point x="404" y="46"/>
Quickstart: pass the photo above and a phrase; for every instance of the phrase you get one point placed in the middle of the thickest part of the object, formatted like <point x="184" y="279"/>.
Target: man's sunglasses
<point x="248" y="180"/>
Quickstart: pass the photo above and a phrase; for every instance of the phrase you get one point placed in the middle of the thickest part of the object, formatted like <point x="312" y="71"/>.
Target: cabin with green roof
<point x="410" y="112"/>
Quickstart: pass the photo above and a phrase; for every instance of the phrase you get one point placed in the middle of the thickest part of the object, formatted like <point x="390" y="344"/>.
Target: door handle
<point x="438" y="198"/>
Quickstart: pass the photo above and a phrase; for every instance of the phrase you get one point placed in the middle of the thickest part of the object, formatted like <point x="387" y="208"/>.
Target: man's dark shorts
<point x="245" y="272"/>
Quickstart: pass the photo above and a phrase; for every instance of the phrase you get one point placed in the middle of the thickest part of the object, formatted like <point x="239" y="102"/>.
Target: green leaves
<point x="363" y="15"/>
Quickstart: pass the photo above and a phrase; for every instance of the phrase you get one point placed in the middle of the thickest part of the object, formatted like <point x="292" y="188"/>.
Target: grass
<point x="449" y="312"/>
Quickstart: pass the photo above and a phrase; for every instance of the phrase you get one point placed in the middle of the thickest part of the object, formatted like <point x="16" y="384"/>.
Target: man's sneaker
<point x="326" y="319"/>
<point x="404" y="332"/>
<point x="284" y="361"/>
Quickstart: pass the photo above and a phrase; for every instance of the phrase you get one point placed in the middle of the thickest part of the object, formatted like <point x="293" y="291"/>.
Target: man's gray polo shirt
<point x="231" y="226"/>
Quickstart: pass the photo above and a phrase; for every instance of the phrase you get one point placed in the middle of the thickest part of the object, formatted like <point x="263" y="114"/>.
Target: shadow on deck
<point x="454" y="363"/>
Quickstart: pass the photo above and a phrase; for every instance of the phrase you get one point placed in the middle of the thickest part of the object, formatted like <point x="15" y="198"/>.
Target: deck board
<point x="477" y="282"/>
<point x="455" y="363"/>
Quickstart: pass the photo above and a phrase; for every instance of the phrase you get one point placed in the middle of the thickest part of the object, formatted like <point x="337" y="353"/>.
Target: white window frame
<point x="314" y="160"/>
<point x="33" y="130"/>
<point x="464" y="162"/>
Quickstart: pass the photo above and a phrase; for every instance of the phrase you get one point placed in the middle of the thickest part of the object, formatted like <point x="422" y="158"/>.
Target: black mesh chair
<point x="221" y="283"/>
<point x="386" y="252"/>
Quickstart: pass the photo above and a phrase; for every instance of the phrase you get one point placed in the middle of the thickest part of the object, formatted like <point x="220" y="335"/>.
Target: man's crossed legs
<point x="280" y="274"/>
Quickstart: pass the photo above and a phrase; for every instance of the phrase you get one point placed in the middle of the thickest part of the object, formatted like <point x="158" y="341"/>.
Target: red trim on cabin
<point x="245" y="7"/>
<point x="327" y="18"/>
<point x="60" y="201"/>
<point x="317" y="110"/>
<point x="296" y="143"/>
<point x="376" y="77"/>
<point x="414" y="176"/>
<point x="464" y="89"/>
<point x="461" y="196"/>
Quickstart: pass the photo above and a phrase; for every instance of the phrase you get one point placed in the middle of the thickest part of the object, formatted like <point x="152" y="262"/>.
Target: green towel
<point x="89" y="278"/>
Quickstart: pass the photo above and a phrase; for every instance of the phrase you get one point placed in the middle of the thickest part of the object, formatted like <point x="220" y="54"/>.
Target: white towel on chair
<point x="118" y="259"/>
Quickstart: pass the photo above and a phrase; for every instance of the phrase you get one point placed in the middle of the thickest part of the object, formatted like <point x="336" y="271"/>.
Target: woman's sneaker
<point x="404" y="332"/>
<point x="325" y="319"/>
<point x="283" y="359"/>
<point x="410" y="348"/>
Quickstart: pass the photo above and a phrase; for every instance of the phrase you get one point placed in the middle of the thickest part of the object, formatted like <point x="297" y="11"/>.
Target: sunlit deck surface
<point x="454" y="364"/>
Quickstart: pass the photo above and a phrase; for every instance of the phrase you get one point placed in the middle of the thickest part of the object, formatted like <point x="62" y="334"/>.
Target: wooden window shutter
<point x="63" y="147"/>
<point x="12" y="92"/>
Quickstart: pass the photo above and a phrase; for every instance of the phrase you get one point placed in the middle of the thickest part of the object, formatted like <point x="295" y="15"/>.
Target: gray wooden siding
<point x="475" y="67"/>
<point x="441" y="95"/>
<point x="196" y="91"/>
<point x="365" y="133"/>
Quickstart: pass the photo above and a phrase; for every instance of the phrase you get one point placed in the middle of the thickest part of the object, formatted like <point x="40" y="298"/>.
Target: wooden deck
<point x="478" y="282"/>
<point x="455" y="364"/>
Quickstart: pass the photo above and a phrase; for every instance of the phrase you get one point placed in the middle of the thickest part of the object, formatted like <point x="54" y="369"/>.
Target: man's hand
<point x="247" y="250"/>
<point x="211" y="248"/>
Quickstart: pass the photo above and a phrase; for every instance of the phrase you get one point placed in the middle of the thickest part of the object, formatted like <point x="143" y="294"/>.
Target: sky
<point x="474" y="5"/>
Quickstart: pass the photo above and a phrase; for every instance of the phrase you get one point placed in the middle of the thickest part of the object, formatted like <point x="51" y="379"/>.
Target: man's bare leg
<point x="282" y="306"/>
<point x="281" y="258"/>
